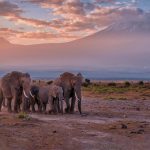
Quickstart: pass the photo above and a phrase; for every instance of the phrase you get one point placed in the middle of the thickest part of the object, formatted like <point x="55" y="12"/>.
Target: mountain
<point x="4" y="43"/>
<point x="122" y="44"/>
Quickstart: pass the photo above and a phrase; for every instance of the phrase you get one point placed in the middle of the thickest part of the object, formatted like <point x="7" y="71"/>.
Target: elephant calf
<point x="47" y="94"/>
<point x="56" y="99"/>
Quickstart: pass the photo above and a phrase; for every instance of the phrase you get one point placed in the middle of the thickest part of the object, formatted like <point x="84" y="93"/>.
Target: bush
<point x="23" y="115"/>
<point x="141" y="83"/>
<point x="88" y="81"/>
<point x="85" y="84"/>
<point x="112" y="84"/>
<point x="127" y="83"/>
<point x="49" y="82"/>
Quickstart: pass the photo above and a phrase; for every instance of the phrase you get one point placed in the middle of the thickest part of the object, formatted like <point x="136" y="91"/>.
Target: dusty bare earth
<point x="108" y="125"/>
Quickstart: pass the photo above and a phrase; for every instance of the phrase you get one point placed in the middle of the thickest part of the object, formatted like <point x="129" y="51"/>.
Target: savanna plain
<point x="116" y="117"/>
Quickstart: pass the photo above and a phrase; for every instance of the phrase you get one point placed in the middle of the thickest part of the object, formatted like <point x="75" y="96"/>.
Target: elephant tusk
<point x="31" y="94"/>
<point x="24" y="93"/>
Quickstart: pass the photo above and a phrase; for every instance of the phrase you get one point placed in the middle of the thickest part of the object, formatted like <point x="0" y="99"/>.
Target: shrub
<point x="141" y="83"/>
<point x="127" y="83"/>
<point x="88" y="81"/>
<point x="49" y="82"/>
<point x="112" y="84"/>
<point x="23" y="115"/>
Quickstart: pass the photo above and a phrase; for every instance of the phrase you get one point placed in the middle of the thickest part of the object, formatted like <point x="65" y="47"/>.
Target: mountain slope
<point x="121" y="44"/>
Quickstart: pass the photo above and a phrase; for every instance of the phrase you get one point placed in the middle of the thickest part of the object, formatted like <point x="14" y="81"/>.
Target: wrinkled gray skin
<point x="1" y="98"/>
<point x="35" y="98"/>
<point x="71" y="85"/>
<point x="14" y="86"/>
<point x="56" y="99"/>
<point x="40" y="97"/>
<point x="43" y="95"/>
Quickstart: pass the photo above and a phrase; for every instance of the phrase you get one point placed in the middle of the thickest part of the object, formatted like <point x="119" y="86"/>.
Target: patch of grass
<point x="122" y="98"/>
<point x="23" y="115"/>
<point x="110" y="98"/>
<point x="117" y="90"/>
<point x="127" y="84"/>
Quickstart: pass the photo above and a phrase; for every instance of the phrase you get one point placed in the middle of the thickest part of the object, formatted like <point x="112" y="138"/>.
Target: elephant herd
<point x="18" y="89"/>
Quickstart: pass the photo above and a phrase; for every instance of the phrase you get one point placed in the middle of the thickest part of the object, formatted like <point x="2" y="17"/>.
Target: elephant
<point x="71" y="85"/>
<point x="35" y="98"/>
<point x="16" y="85"/>
<point x="1" y="98"/>
<point x="56" y="99"/>
<point x="39" y="97"/>
<point x="42" y="95"/>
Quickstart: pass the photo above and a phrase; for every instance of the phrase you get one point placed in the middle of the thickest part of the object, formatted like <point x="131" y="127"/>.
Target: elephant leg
<point x="9" y="104"/>
<point x="4" y="103"/>
<point x="44" y="107"/>
<point x="33" y="108"/>
<point x="1" y="101"/>
<point x="16" y="105"/>
<point x="73" y="99"/>
<point x="61" y="103"/>
<point x="67" y="109"/>
<point x="19" y="103"/>
<point x="55" y="106"/>
<point x="79" y="106"/>
<point x="58" y="105"/>
<point x="32" y="105"/>
<point x="51" y="104"/>
<point x="39" y="103"/>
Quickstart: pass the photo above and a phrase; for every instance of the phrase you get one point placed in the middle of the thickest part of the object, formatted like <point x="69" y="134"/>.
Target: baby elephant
<point x="39" y="97"/>
<point x="56" y="99"/>
<point x="43" y="95"/>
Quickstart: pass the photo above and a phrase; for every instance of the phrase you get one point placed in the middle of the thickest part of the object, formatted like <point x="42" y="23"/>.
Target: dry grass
<point x="119" y="91"/>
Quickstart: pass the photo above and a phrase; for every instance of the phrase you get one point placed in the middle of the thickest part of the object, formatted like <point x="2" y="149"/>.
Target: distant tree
<point x="112" y="84"/>
<point x="141" y="83"/>
<point x="127" y="83"/>
<point x="86" y="83"/>
<point x="49" y="82"/>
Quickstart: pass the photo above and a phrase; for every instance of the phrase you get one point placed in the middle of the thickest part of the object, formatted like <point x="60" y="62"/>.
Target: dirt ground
<point x="107" y="125"/>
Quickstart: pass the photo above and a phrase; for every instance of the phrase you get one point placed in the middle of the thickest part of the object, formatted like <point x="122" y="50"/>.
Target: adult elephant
<point x="1" y="98"/>
<point x="13" y="86"/>
<point x="71" y="85"/>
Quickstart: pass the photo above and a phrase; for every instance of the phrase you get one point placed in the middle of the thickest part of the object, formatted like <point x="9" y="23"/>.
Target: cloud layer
<point x="67" y="19"/>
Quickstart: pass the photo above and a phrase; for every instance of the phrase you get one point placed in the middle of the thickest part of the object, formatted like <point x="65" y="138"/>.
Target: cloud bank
<point x="67" y="19"/>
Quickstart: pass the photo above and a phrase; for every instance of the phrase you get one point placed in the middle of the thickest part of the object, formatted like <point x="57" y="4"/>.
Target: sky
<point x="57" y="21"/>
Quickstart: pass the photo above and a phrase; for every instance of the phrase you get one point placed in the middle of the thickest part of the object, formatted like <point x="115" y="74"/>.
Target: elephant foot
<point x="50" y="111"/>
<point x="10" y="111"/>
<point x="33" y="111"/>
<point x="67" y="110"/>
<point x="71" y="112"/>
<point x="45" y="112"/>
<point x="53" y="112"/>
<point x="15" y="111"/>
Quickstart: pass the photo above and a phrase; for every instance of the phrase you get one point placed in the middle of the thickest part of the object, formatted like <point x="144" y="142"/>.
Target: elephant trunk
<point x="26" y="99"/>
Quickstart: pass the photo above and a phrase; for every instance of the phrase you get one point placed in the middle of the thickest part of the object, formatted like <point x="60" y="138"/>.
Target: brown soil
<point x="107" y="125"/>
